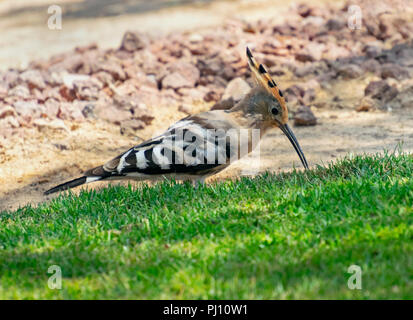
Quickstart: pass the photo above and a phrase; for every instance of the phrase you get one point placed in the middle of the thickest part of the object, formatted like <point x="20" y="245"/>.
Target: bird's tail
<point x="92" y="175"/>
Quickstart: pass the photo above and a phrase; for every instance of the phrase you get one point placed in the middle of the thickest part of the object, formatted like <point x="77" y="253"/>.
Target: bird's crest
<point x="264" y="79"/>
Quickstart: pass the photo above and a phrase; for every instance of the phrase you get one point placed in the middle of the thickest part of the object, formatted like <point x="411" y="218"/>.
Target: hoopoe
<point x="203" y="144"/>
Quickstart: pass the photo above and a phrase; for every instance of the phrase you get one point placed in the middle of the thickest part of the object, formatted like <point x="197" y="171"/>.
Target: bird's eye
<point x="274" y="111"/>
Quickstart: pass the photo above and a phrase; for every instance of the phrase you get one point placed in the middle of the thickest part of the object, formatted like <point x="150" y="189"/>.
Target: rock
<point x="69" y="79"/>
<point x="349" y="71"/>
<point x="334" y="51"/>
<point x="7" y="111"/>
<point x="179" y="75"/>
<point x="195" y="38"/>
<point x="304" y="57"/>
<point x="87" y="89"/>
<point x="51" y="108"/>
<point x="304" y="10"/>
<point x="20" y="91"/>
<point x="371" y="51"/>
<point x="67" y="93"/>
<point x="371" y="65"/>
<point x="366" y="104"/>
<point x="69" y="111"/>
<point x="305" y="117"/>
<point x="113" y="68"/>
<point x="309" y="96"/>
<point x="129" y="127"/>
<point x="295" y="90"/>
<point x="193" y="94"/>
<point x="236" y="89"/>
<point x="212" y="95"/>
<point x="335" y="25"/>
<point x="405" y="98"/>
<point x="111" y="113"/>
<point x="386" y="26"/>
<point x="67" y="63"/>
<point x="304" y="71"/>
<point x="176" y="80"/>
<point x="7" y="123"/>
<point x="33" y="78"/>
<point x="104" y="77"/>
<point x="3" y="90"/>
<point x="391" y="70"/>
<point x="28" y="110"/>
<point x="141" y="112"/>
<point x="55" y="124"/>
<point x="380" y="90"/>
<point x="185" y="108"/>
<point x="11" y="78"/>
<point x="133" y="41"/>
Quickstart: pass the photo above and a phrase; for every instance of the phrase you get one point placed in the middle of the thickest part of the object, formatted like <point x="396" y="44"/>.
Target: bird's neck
<point x="248" y="114"/>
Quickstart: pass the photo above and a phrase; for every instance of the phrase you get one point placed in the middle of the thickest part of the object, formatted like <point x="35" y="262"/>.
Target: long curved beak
<point x="290" y="135"/>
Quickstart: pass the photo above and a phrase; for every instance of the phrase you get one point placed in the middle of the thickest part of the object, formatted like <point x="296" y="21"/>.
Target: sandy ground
<point x="48" y="158"/>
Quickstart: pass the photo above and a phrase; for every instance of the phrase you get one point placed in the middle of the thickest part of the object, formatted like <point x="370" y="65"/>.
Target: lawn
<point x="289" y="235"/>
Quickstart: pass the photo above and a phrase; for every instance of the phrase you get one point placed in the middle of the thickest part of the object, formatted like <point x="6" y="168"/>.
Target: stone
<point x="365" y="105"/>
<point x="51" y="107"/>
<point x="380" y="90"/>
<point x="236" y="89"/>
<point x="349" y="71"/>
<point x="7" y="111"/>
<point x="295" y="90"/>
<point x="391" y="70"/>
<point x="176" y="80"/>
<point x="28" y="110"/>
<point x="88" y="111"/>
<point x="33" y="78"/>
<point x="129" y="127"/>
<point x="111" y="113"/>
<point x="55" y="125"/>
<point x="20" y="91"/>
<point x="304" y="57"/>
<point x="69" y="79"/>
<point x="69" y="111"/>
<point x="87" y="89"/>
<point x="180" y="74"/>
<point x="371" y="51"/>
<point x="305" y="117"/>
<point x="185" y="108"/>
<point x="11" y="78"/>
<point x="405" y="98"/>
<point x="67" y="94"/>
<point x="371" y="65"/>
<point x="133" y="41"/>
<point x="212" y="95"/>
<point x="335" y="25"/>
<point x="113" y="68"/>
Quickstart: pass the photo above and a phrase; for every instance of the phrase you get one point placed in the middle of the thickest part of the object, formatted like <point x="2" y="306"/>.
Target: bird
<point x="203" y="144"/>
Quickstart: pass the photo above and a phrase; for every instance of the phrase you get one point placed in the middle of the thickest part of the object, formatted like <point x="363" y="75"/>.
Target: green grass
<point x="286" y="236"/>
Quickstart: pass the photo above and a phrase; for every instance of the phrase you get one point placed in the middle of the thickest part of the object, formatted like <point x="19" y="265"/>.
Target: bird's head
<point x="270" y="102"/>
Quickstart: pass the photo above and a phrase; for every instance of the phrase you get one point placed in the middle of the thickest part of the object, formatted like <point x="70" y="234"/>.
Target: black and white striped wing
<point x="196" y="145"/>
